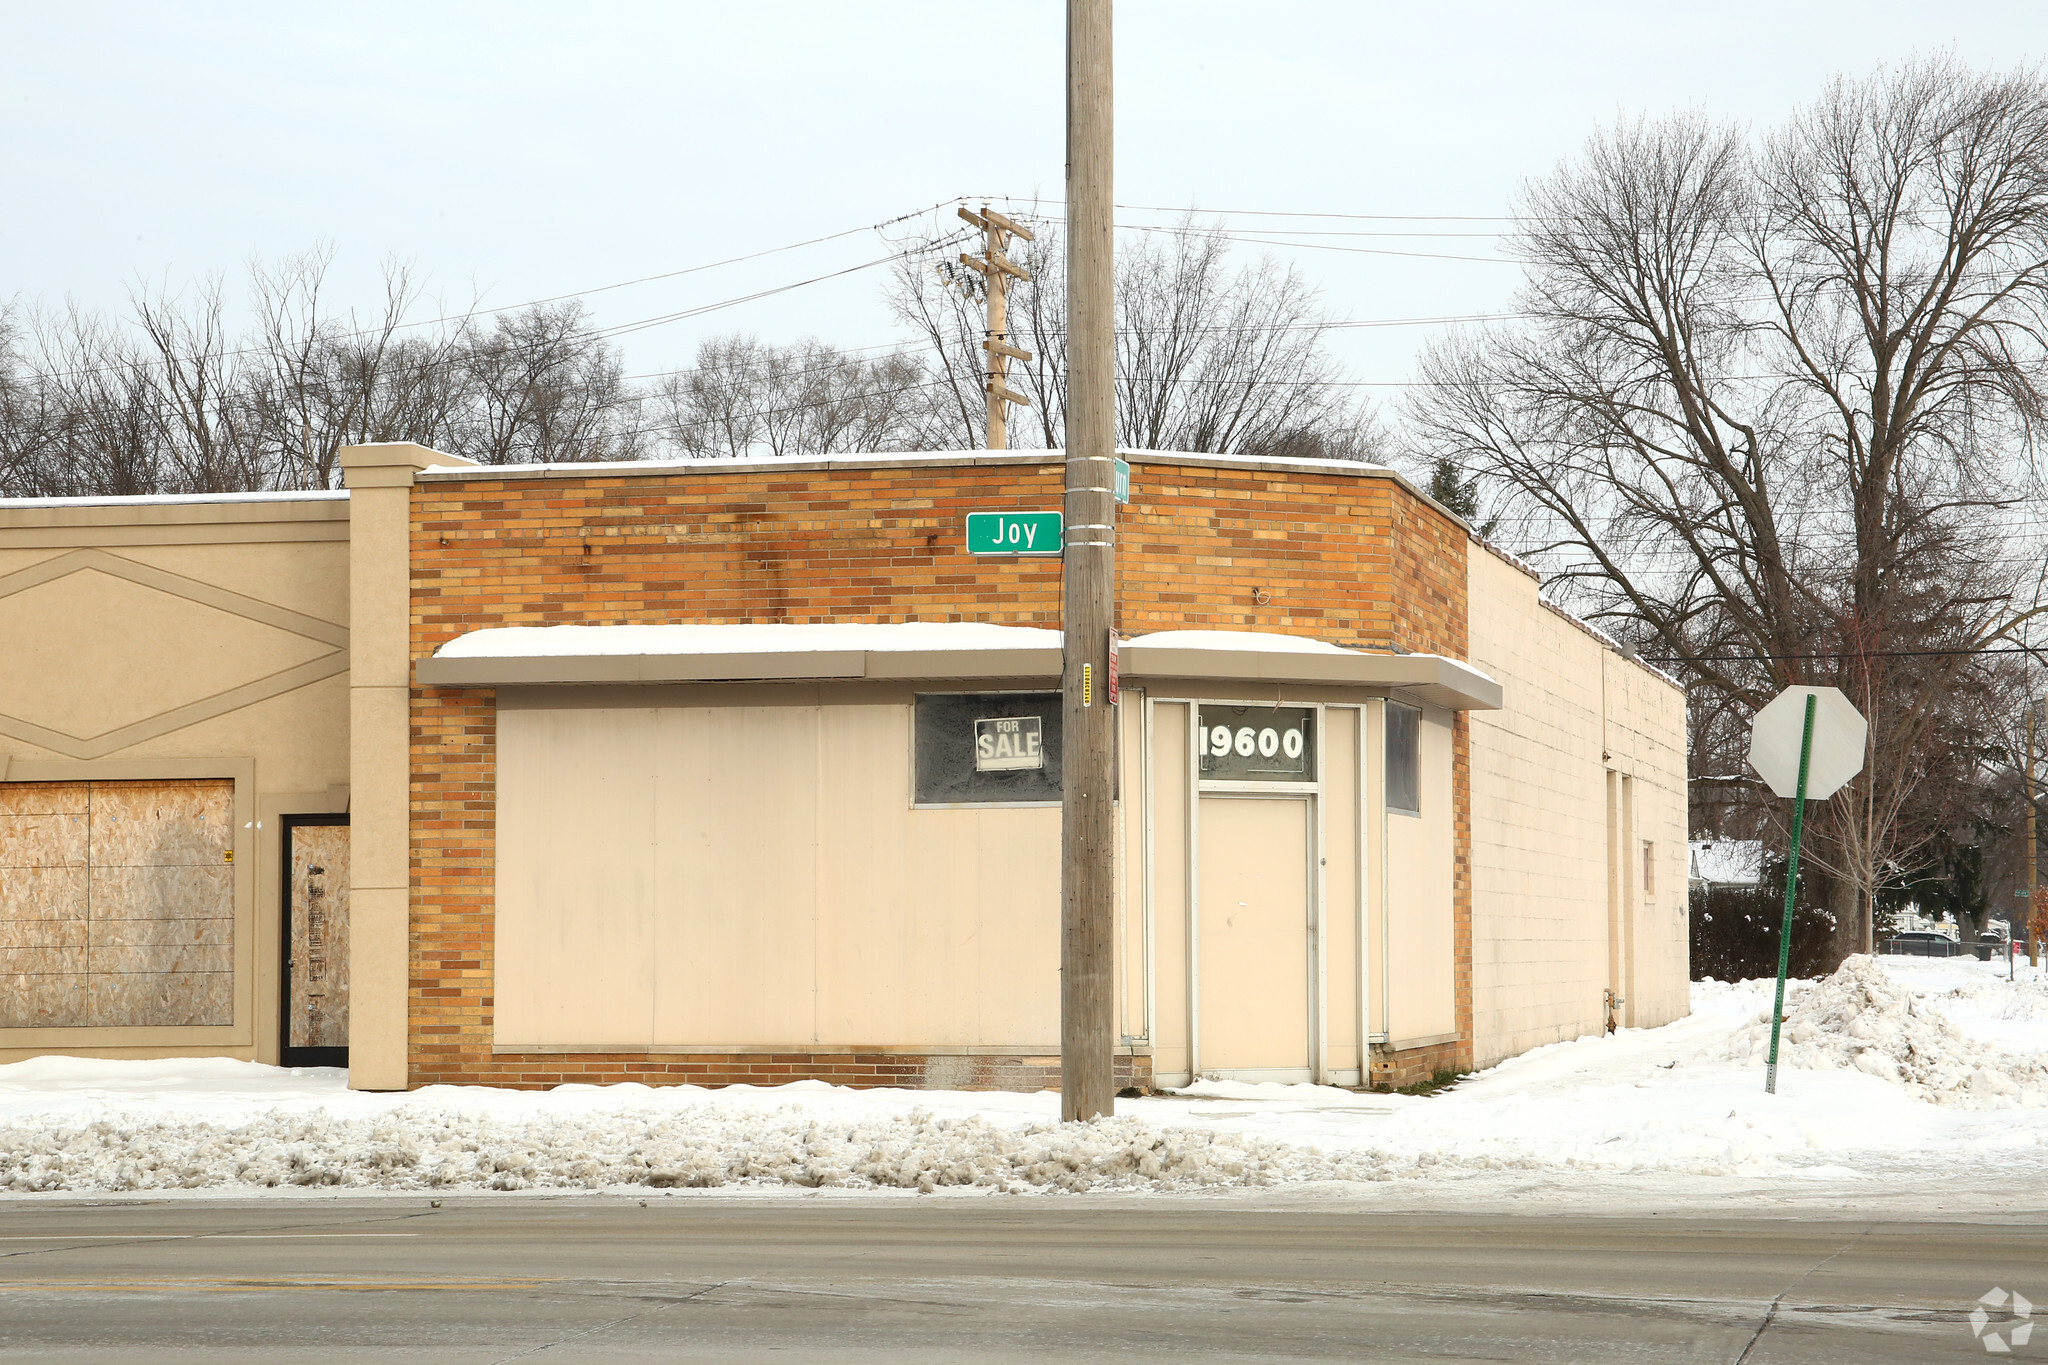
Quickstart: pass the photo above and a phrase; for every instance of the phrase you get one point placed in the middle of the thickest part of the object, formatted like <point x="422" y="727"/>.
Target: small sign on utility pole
<point x="1805" y="744"/>
<point x="1013" y="533"/>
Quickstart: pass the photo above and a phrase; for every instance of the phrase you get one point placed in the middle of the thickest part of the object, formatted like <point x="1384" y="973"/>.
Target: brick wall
<point x="1344" y="557"/>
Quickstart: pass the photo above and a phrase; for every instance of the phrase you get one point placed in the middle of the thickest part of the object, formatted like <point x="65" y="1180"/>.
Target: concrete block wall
<point x="1575" y="711"/>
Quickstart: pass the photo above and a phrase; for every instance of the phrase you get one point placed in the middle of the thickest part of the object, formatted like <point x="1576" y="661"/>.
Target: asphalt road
<point x="945" y="1278"/>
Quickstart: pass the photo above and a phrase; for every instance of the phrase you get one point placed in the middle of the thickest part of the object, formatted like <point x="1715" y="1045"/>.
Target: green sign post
<point x="1013" y="533"/>
<point x="1832" y="736"/>
<point x="1791" y="888"/>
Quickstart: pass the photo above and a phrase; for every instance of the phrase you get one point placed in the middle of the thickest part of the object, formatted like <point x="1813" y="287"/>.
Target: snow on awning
<point x="511" y="656"/>
<point x="1254" y="656"/>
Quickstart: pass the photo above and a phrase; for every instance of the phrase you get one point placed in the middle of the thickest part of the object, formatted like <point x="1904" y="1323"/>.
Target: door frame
<point x="287" y="1055"/>
<point x="1312" y="792"/>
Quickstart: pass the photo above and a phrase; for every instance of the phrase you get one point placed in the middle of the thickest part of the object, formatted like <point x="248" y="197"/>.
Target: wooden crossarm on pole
<point x="974" y="263"/>
<point x="996" y="389"/>
<point x="1008" y="225"/>
<point x="1005" y="348"/>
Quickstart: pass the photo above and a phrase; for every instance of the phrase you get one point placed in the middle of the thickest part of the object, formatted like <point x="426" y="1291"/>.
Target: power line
<point x="599" y="289"/>
<point x="1275" y="213"/>
<point x="1317" y="246"/>
<point x="1844" y="654"/>
<point x="618" y="329"/>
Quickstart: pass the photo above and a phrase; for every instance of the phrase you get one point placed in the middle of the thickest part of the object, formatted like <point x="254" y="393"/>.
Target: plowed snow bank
<point x="700" y="1149"/>
<point x="1860" y="1019"/>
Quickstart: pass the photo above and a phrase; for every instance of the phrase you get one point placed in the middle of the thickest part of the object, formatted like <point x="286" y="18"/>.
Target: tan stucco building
<point x="747" y="770"/>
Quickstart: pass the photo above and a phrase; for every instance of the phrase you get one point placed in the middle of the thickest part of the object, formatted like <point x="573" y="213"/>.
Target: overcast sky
<point x="516" y="151"/>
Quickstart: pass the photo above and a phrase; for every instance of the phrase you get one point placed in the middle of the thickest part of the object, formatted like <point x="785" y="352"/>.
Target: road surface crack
<point x="615" y="1322"/>
<point x="1771" y="1314"/>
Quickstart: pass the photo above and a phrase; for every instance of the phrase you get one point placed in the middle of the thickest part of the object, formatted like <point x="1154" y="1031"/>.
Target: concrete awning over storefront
<point x="513" y="656"/>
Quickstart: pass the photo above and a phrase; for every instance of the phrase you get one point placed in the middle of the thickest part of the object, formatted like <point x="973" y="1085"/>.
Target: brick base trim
<point x="1409" y="1065"/>
<point x="861" y="1070"/>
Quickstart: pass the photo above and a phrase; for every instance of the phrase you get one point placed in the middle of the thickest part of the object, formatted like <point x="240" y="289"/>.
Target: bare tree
<point x="321" y="380"/>
<point x="746" y="397"/>
<point x="546" y="388"/>
<point x="176" y="399"/>
<point x="1209" y="358"/>
<point x="1772" y="406"/>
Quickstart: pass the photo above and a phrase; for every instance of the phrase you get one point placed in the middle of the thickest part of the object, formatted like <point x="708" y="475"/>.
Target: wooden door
<point x="316" y="943"/>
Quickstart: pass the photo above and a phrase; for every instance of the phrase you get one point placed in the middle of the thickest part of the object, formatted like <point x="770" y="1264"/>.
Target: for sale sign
<point x="1009" y="744"/>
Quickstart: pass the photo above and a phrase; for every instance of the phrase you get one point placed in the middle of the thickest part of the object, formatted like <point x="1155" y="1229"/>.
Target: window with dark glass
<point x="1404" y="759"/>
<point x="1257" y="743"/>
<point x="987" y="748"/>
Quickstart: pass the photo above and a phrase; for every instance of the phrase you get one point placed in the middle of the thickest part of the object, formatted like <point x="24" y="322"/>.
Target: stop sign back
<point x="1839" y="734"/>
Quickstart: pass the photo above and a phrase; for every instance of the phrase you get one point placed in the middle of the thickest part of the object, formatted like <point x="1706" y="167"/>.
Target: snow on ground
<point x="1895" y="1074"/>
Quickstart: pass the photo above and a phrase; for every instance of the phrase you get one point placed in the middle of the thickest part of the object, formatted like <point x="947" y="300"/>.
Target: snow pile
<point x="1861" y="1019"/>
<point x="1679" y="1106"/>
<point x="703" y="1148"/>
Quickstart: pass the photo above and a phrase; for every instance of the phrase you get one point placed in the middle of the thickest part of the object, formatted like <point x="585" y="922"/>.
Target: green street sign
<point x="1013" y="533"/>
<point x="1123" y="481"/>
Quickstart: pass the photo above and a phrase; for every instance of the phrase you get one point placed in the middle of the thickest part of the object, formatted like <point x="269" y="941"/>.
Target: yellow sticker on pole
<point x="1087" y="684"/>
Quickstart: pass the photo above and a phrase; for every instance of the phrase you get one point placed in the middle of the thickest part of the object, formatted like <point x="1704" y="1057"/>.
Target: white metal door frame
<point x="1312" y="854"/>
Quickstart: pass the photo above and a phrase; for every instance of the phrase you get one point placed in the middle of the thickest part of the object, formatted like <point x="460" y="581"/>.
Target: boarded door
<point x="316" y="950"/>
<point x="117" y="904"/>
<point x="1254" y="946"/>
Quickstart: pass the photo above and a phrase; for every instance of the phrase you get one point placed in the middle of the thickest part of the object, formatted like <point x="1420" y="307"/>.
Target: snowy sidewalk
<point x="1900" y="1076"/>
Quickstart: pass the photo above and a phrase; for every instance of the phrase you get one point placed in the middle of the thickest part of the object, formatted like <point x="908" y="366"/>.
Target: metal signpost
<point x="1805" y="744"/>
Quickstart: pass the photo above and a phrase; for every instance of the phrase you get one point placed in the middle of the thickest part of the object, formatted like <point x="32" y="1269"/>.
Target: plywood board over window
<point x="117" y="904"/>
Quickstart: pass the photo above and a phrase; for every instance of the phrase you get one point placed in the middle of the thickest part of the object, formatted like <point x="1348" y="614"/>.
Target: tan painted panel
<point x="576" y="899"/>
<point x="1340" y="886"/>
<point x="142" y="934"/>
<point x="317" y="992"/>
<point x="1422" y="942"/>
<point x="49" y="656"/>
<point x="1005" y="873"/>
<point x="1254" y="917"/>
<point x="867" y="900"/>
<point x="1170" y="887"/>
<point x="736" y="853"/>
<point x="784" y="894"/>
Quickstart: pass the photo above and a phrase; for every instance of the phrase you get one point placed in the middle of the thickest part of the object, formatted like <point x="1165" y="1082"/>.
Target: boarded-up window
<point x="117" y="904"/>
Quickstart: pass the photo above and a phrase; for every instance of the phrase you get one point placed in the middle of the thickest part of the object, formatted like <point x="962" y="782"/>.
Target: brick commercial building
<point x="749" y="771"/>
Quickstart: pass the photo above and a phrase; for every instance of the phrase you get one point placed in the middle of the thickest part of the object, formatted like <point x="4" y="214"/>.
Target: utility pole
<point x="996" y="270"/>
<point x="1087" y="815"/>
<point x="2037" y="919"/>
